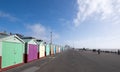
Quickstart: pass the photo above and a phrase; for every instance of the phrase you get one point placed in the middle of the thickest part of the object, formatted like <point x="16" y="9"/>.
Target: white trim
<point x="2" y="39"/>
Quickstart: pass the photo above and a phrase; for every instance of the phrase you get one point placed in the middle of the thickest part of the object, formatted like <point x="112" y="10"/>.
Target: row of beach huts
<point x="15" y="50"/>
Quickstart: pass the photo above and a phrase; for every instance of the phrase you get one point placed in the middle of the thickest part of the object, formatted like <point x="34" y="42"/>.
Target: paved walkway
<point x="73" y="61"/>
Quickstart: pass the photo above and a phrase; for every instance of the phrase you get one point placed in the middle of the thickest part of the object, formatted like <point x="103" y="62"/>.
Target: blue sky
<point x="79" y="23"/>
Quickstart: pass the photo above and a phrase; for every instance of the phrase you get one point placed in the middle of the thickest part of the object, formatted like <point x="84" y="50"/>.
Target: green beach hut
<point x="11" y="51"/>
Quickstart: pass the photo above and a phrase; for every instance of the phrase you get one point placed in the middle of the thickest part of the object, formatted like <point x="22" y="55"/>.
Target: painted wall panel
<point x="60" y="49"/>
<point x="7" y="55"/>
<point x="12" y="53"/>
<point x="18" y="53"/>
<point x="54" y="49"/>
<point x="42" y="50"/>
<point x="63" y="48"/>
<point x="47" y="50"/>
<point x="32" y="55"/>
<point x="57" y="49"/>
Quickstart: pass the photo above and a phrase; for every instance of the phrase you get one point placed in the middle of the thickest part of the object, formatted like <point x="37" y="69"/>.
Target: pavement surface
<point x="73" y="61"/>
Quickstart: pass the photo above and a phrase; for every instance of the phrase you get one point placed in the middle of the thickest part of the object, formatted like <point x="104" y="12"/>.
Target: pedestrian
<point x="98" y="51"/>
<point x="118" y="52"/>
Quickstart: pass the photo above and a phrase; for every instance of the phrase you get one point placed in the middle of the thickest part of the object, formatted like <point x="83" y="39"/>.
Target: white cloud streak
<point x="41" y="32"/>
<point x="104" y="9"/>
<point x="8" y="16"/>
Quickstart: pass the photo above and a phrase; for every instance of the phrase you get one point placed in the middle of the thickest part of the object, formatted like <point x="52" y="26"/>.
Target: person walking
<point x="98" y="51"/>
<point x="118" y="52"/>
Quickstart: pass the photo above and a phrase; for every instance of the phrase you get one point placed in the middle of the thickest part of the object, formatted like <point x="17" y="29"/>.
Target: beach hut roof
<point x="5" y="37"/>
<point x="2" y="33"/>
<point x="28" y="40"/>
<point x="41" y="41"/>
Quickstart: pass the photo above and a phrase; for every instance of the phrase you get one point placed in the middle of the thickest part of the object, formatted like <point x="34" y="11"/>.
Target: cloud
<point x="8" y="16"/>
<point x="37" y="29"/>
<point x="64" y="22"/>
<point x="102" y="9"/>
<point x="55" y="36"/>
<point x="41" y="32"/>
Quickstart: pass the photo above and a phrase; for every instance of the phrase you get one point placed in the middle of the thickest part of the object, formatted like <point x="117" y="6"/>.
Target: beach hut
<point x="47" y="49"/>
<point x="11" y="51"/>
<point x="31" y="49"/>
<point x="52" y="50"/>
<point x="41" y="48"/>
<point x="61" y="49"/>
<point x="57" y="49"/>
